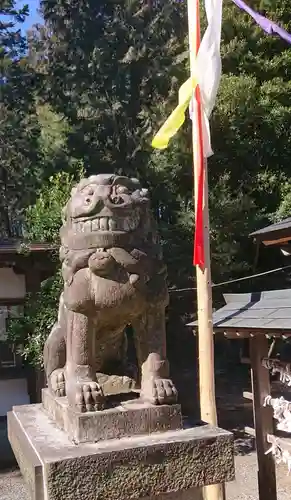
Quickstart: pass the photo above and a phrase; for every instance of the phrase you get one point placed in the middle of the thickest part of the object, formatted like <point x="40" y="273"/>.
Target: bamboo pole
<point x="208" y="411"/>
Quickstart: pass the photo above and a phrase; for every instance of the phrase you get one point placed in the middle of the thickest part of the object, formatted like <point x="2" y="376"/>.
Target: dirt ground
<point x="245" y="485"/>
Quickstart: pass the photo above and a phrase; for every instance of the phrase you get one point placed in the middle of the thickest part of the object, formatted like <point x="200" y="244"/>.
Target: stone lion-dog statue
<point x="114" y="276"/>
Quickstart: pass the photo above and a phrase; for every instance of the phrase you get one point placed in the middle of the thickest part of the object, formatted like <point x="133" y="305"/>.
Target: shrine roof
<point x="277" y="233"/>
<point x="8" y="246"/>
<point x="258" y="312"/>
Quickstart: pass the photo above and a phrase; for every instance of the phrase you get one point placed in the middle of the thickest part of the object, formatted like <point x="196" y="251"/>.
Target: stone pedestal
<point x="168" y="465"/>
<point x="126" y="419"/>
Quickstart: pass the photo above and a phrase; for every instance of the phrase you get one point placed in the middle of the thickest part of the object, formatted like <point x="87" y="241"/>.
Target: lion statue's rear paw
<point x="57" y="383"/>
<point x="159" y="391"/>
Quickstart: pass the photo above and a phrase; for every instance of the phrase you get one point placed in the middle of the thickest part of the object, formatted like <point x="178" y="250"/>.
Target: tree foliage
<point x="113" y="71"/>
<point x="117" y="59"/>
<point x="43" y="220"/>
<point x="19" y="128"/>
<point x="106" y="76"/>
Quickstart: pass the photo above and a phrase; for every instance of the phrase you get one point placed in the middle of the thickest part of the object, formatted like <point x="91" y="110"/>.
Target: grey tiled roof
<point x="282" y="226"/>
<point x="259" y="310"/>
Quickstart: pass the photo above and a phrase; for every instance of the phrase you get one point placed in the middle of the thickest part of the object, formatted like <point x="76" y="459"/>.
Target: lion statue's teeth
<point x="112" y="225"/>
<point x="103" y="221"/>
<point x="107" y="224"/>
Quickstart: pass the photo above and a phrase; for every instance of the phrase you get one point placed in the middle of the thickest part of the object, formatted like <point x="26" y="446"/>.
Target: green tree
<point x="52" y="143"/>
<point x="250" y="169"/>
<point x="19" y="128"/>
<point x="43" y="221"/>
<point x="12" y="42"/>
<point x="108" y="64"/>
<point x="252" y="118"/>
<point x="113" y="70"/>
<point x="109" y="77"/>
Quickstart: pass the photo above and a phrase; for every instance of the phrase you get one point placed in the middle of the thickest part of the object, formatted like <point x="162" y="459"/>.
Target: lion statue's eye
<point x="122" y="190"/>
<point x="88" y="192"/>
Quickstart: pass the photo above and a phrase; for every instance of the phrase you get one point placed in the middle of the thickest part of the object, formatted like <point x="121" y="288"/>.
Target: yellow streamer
<point x="177" y="117"/>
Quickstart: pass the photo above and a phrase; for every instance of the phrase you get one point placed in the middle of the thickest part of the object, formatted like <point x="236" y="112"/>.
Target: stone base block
<point x="192" y="494"/>
<point x="129" y="418"/>
<point x="116" y="384"/>
<point x="171" y="465"/>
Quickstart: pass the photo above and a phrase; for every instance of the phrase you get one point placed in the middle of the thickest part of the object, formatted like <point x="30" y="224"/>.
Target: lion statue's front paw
<point x="86" y="395"/>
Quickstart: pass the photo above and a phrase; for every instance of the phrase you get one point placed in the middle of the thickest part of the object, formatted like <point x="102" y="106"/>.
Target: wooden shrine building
<point x="274" y="237"/>
<point x="259" y="317"/>
<point x="278" y="234"/>
<point x="22" y="269"/>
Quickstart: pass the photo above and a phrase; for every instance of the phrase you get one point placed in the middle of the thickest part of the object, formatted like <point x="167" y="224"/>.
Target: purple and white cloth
<point x="268" y="26"/>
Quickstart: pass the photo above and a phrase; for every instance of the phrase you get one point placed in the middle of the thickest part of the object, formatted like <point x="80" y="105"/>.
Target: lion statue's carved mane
<point x="114" y="276"/>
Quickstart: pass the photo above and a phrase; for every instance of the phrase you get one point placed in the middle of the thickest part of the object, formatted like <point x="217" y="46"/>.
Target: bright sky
<point x="33" y="15"/>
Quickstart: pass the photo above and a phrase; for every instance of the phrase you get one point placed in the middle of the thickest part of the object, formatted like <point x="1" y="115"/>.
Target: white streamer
<point x="208" y="68"/>
<point x="282" y="412"/>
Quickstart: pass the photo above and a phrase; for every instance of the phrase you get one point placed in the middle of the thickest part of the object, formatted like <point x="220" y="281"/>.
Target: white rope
<point x="214" y="285"/>
<point x="275" y="366"/>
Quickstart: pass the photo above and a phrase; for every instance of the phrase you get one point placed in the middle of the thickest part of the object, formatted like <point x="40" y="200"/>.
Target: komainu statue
<point x="114" y="276"/>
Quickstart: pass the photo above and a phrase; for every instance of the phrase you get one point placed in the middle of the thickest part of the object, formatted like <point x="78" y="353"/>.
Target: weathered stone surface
<point x="114" y="276"/>
<point x="130" y="418"/>
<point x="168" y="463"/>
<point x="192" y="494"/>
<point x="27" y="459"/>
<point x="116" y="384"/>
